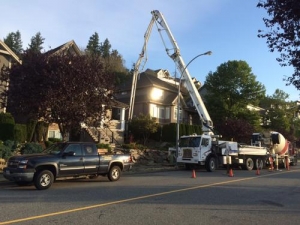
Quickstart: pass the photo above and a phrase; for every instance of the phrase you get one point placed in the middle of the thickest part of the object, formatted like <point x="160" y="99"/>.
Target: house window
<point x="160" y="112"/>
<point x="167" y="112"/>
<point x="180" y="113"/>
<point x="51" y="134"/>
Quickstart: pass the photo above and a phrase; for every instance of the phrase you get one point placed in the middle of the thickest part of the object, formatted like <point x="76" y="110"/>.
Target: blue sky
<point x="228" y="28"/>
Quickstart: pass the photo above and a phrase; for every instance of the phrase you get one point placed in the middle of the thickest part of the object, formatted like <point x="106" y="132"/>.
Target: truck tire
<point x="211" y="164"/>
<point x="259" y="163"/>
<point x="249" y="164"/>
<point x="43" y="179"/>
<point x="114" y="173"/>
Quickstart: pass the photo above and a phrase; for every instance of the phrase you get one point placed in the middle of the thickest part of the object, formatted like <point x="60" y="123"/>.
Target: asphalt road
<point x="170" y="197"/>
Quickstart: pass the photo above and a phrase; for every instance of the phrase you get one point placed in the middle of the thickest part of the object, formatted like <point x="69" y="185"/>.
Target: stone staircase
<point x="110" y="134"/>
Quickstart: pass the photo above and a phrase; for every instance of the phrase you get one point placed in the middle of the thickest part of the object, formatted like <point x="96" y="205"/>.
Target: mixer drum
<point x="279" y="143"/>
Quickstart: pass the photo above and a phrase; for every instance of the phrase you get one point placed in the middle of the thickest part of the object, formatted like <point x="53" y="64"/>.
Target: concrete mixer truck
<point x="280" y="149"/>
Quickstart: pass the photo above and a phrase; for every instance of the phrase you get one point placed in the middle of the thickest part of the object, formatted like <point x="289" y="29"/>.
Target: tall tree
<point x="62" y="89"/>
<point x="280" y="113"/>
<point x="93" y="46"/>
<point x="112" y="60"/>
<point x="14" y="42"/>
<point x="116" y="64"/>
<point x="36" y="43"/>
<point x="283" y="33"/>
<point x="230" y="89"/>
<point x="105" y="48"/>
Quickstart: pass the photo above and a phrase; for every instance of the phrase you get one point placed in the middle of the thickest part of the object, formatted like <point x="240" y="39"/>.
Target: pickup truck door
<point x="91" y="159"/>
<point x="71" y="162"/>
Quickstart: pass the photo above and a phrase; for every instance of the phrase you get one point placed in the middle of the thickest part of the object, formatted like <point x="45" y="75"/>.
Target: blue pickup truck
<point x="65" y="159"/>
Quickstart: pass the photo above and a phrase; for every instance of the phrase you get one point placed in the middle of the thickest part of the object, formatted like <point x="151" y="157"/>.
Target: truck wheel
<point x="249" y="164"/>
<point x="114" y="173"/>
<point x="259" y="163"/>
<point x="43" y="179"/>
<point x="210" y="164"/>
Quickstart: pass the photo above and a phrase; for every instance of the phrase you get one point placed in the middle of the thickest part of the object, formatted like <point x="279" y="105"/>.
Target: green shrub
<point x="20" y="132"/>
<point x="7" y="148"/>
<point x="48" y="143"/>
<point x="31" y="148"/>
<point x="169" y="132"/>
<point x="54" y="140"/>
<point x="106" y="146"/>
<point x="7" y="124"/>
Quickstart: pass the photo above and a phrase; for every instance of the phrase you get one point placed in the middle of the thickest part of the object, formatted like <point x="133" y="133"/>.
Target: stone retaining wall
<point x="2" y="164"/>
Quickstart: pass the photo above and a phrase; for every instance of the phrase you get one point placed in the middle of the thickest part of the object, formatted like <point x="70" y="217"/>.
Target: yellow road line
<point x="139" y="198"/>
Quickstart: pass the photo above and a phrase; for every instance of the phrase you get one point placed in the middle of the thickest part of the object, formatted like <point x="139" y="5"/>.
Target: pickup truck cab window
<point x="75" y="148"/>
<point x="89" y="149"/>
<point x="55" y="149"/>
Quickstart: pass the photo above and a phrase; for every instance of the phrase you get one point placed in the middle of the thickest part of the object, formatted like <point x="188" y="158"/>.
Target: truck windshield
<point x="55" y="149"/>
<point x="189" y="142"/>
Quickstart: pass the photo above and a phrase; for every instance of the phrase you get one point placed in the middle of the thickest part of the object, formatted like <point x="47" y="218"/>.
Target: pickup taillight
<point x="128" y="160"/>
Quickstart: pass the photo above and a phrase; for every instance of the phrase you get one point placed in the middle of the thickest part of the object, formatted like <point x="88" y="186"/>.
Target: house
<point x="156" y="95"/>
<point x="68" y="48"/>
<point x="112" y="126"/>
<point x="7" y="59"/>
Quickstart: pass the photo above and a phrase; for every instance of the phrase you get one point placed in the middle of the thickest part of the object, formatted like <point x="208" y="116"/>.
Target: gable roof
<point x="4" y="49"/>
<point x="149" y="78"/>
<point x="154" y="78"/>
<point x="70" y="47"/>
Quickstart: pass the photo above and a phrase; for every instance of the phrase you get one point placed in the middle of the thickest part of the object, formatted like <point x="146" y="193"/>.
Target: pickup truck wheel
<point x="249" y="164"/>
<point x="43" y="180"/>
<point x="114" y="173"/>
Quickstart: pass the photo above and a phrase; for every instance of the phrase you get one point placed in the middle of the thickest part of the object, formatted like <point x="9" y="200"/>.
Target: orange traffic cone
<point x="193" y="174"/>
<point x="257" y="171"/>
<point x="230" y="174"/>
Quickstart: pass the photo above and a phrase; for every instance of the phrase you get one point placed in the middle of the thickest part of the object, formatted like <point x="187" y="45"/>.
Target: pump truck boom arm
<point x="137" y="68"/>
<point x="185" y="78"/>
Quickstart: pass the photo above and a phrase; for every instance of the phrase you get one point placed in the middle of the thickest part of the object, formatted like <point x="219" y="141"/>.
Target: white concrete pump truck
<point x="205" y="149"/>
